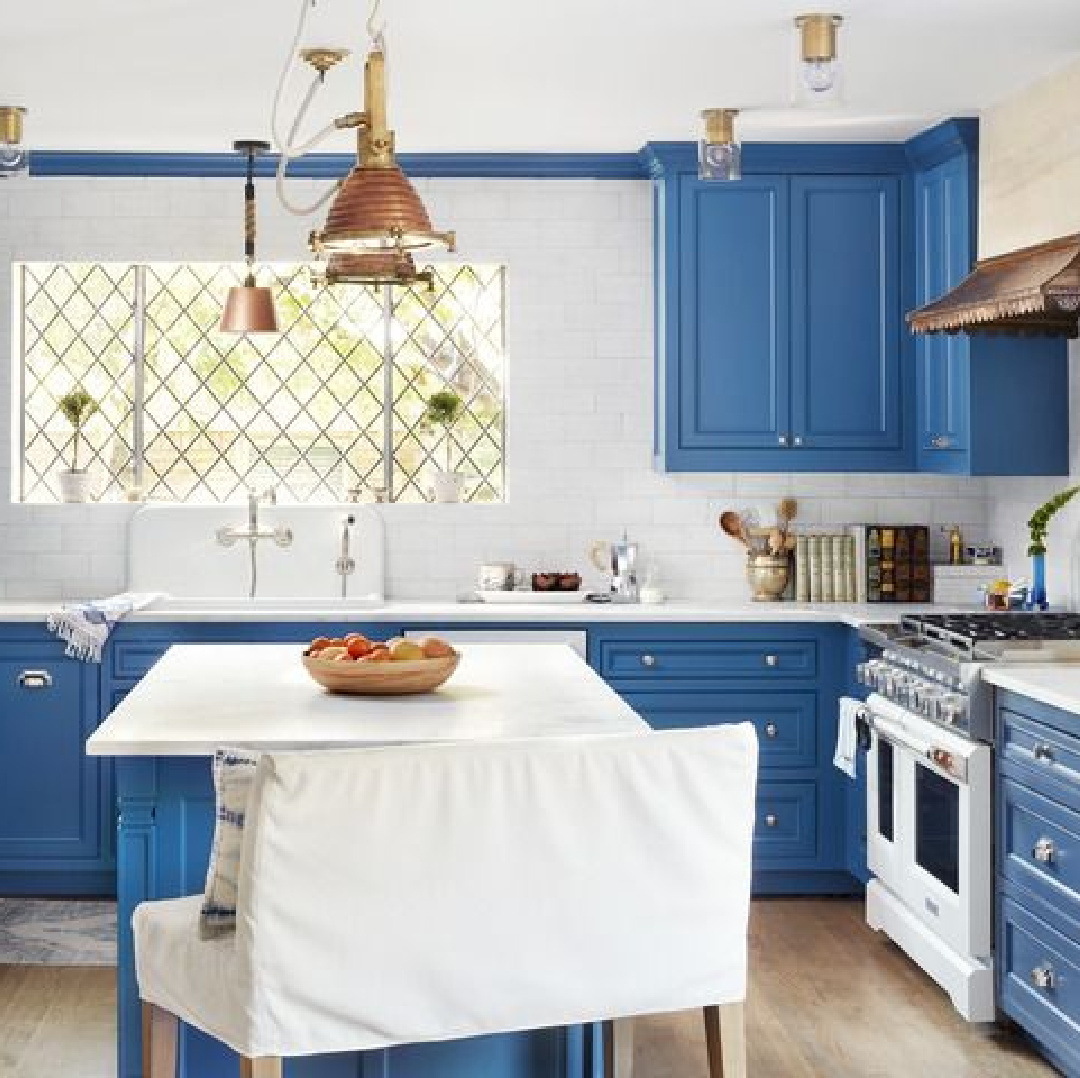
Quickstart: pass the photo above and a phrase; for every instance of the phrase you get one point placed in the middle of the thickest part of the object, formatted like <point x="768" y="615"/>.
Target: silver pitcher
<point x="620" y="561"/>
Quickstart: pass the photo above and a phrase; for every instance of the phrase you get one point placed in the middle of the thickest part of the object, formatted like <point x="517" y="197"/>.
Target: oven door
<point x="939" y="863"/>
<point x="884" y="856"/>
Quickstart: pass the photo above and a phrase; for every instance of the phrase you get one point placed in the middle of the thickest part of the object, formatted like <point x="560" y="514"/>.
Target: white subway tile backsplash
<point x="578" y="258"/>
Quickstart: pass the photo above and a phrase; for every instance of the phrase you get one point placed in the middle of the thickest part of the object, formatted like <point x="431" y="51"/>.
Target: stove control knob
<point x="951" y="709"/>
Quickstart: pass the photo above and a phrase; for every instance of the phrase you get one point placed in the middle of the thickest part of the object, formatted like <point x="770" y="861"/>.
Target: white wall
<point x="579" y="339"/>
<point x="1028" y="192"/>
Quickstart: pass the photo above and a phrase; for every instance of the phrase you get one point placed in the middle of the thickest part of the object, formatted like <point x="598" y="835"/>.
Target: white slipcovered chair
<point x="404" y="894"/>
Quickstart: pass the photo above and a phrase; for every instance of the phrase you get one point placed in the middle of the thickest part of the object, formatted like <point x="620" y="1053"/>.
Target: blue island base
<point x="163" y="844"/>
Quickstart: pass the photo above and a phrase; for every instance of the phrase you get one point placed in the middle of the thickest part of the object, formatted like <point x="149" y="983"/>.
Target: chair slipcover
<point x="414" y="893"/>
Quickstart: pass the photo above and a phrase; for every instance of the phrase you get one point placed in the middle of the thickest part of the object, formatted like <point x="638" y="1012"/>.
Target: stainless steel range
<point x="930" y="784"/>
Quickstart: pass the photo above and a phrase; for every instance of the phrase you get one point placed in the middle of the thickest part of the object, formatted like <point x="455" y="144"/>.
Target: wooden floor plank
<point x="828" y="997"/>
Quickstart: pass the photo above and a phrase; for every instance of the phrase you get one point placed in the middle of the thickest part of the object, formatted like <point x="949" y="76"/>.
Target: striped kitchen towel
<point x="86" y="626"/>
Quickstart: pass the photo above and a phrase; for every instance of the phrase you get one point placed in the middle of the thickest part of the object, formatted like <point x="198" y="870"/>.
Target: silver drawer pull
<point x="1043" y="752"/>
<point x="771" y="820"/>
<point x="648" y="660"/>
<point x="1043" y="976"/>
<point x="940" y="441"/>
<point x="770" y="729"/>
<point x="35" y="679"/>
<point x="772" y="660"/>
<point x="1043" y="851"/>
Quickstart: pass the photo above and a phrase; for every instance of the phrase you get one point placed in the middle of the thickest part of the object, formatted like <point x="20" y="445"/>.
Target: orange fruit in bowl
<point x="434" y="648"/>
<point x="378" y="654"/>
<point x="358" y="647"/>
<point x="405" y="650"/>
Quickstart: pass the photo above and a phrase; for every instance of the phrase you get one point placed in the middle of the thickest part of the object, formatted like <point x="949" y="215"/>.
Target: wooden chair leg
<point x="264" y="1067"/>
<point x="159" y="1032"/>
<point x="725" y="1040"/>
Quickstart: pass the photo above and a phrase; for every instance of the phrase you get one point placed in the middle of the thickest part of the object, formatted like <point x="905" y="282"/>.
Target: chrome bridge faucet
<point x="345" y="565"/>
<point x="252" y="532"/>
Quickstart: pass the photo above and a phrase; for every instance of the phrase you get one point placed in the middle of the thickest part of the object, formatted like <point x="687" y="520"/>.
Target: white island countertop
<point x="1056" y="684"/>
<point x="445" y="612"/>
<point x="200" y="697"/>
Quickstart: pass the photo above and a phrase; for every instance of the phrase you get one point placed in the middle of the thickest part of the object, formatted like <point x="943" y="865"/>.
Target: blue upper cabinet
<point x="965" y="383"/>
<point x="734" y="378"/>
<point x="778" y="311"/>
<point x="846" y="370"/>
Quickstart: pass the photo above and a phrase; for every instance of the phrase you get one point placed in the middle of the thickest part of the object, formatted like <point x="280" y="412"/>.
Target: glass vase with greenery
<point x="1038" y="526"/>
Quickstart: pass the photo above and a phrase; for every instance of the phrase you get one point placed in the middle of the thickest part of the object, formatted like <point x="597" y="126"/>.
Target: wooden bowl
<point x="361" y="678"/>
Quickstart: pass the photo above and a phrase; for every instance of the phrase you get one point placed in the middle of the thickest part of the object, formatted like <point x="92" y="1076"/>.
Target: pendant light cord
<point x="249" y="218"/>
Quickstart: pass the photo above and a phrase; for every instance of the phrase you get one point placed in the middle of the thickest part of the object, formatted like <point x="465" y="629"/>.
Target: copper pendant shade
<point x="249" y="308"/>
<point x="376" y="207"/>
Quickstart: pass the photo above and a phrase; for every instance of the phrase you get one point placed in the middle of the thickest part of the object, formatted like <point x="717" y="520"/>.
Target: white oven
<point x="930" y="850"/>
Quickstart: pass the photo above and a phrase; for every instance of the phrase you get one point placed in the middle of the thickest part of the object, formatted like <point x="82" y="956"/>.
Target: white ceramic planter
<point x="75" y="486"/>
<point x="447" y="486"/>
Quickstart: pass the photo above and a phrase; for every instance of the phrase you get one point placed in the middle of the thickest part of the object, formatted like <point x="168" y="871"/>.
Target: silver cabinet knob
<point x="648" y="660"/>
<point x="1043" y="976"/>
<point x="1043" y="851"/>
<point x="1043" y="752"/>
<point x="940" y="441"/>
<point x="771" y="820"/>
<point x="35" y="679"/>
<point x="770" y="729"/>
<point x="798" y="439"/>
<point x="772" y="660"/>
<point x="783" y="439"/>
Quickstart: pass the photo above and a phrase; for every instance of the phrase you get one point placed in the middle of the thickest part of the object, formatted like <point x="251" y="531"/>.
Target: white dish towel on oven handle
<point x="847" y="735"/>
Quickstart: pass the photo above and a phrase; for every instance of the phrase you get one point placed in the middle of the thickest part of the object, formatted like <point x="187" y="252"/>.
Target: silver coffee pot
<point x="620" y="561"/>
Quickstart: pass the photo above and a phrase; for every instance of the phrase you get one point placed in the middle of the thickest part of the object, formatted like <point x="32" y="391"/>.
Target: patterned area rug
<point x="53" y="932"/>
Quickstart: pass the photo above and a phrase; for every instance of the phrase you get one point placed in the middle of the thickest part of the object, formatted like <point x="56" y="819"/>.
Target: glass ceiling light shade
<point x="14" y="153"/>
<point x="249" y="308"/>
<point x="818" y="72"/>
<point x="375" y="268"/>
<point x="719" y="155"/>
<point x="376" y="207"/>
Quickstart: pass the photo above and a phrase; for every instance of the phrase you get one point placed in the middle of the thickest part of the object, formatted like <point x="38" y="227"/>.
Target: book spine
<point x="839" y="569"/>
<point x="826" y="569"/>
<point x="802" y="575"/>
<point x="853" y="571"/>
<point x="814" y="549"/>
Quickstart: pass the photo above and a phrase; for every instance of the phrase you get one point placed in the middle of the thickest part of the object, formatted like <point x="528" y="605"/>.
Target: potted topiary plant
<point x="76" y="407"/>
<point x="443" y="411"/>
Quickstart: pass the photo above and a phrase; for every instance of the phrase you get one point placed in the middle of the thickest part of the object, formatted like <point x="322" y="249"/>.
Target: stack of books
<point x="864" y="563"/>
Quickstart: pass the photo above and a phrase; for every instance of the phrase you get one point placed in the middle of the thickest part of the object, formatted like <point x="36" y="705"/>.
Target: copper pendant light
<point x="376" y="207"/>
<point x="249" y="308"/>
<point x="376" y="267"/>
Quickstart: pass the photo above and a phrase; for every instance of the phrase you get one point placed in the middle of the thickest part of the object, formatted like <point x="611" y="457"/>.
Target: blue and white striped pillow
<point x="234" y="773"/>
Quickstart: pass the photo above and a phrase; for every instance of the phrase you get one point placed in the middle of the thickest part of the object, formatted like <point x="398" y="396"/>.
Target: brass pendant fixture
<point x="819" y="67"/>
<point x="376" y="207"/>
<point x="14" y="153"/>
<point x="384" y="267"/>
<point x="249" y="308"/>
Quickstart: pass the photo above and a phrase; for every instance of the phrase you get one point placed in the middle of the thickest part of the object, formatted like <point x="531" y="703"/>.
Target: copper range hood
<point x="1033" y="291"/>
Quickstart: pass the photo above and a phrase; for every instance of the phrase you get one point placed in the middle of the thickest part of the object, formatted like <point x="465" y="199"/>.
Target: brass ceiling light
<point x="249" y="308"/>
<point x="818" y="65"/>
<point x="719" y="154"/>
<point x="14" y="153"/>
<point x="377" y="218"/>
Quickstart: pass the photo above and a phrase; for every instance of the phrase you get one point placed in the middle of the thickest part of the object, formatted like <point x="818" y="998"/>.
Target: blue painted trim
<point x="598" y="166"/>
<point x="941" y="143"/>
<point x="763" y="158"/>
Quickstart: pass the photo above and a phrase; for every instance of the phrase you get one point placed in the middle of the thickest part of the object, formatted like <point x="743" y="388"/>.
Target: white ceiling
<point x="502" y="75"/>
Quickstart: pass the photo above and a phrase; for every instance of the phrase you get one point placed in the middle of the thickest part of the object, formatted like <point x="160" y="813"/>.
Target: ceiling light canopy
<point x="719" y="154"/>
<point x="377" y="217"/>
<point x="14" y="153"/>
<point x="249" y="308"/>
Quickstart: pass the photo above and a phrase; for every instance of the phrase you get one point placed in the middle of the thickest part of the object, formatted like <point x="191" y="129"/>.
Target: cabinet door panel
<point x="49" y="791"/>
<point x="733" y="356"/>
<point x="846" y="353"/>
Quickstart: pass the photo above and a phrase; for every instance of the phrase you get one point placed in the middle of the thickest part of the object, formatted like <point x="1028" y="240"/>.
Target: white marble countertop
<point x="1057" y="684"/>
<point x="442" y="612"/>
<point x="202" y="696"/>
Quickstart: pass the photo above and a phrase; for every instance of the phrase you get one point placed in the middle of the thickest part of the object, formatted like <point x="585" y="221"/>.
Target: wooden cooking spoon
<point x="732" y="524"/>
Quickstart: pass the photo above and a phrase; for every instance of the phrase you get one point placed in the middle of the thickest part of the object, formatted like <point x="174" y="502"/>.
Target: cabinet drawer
<point x="647" y="659"/>
<point x="785" y="823"/>
<point x="786" y="722"/>
<point x="1038" y="748"/>
<point x="134" y="659"/>
<point x="1040" y="980"/>
<point x="1041" y="846"/>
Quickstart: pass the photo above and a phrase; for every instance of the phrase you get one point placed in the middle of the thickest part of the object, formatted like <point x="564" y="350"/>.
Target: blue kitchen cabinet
<point x="1038" y="874"/>
<point x="778" y="311"/>
<point x="57" y="823"/>
<point x="965" y="382"/>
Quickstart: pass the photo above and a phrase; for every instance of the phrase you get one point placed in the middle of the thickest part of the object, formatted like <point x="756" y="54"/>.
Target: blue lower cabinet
<point x="56" y="817"/>
<point x="1038" y="874"/>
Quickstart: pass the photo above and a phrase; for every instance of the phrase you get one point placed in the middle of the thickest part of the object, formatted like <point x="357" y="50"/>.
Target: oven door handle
<point x="951" y="766"/>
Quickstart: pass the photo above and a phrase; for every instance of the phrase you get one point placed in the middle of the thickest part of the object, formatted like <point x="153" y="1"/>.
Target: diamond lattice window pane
<point x="191" y="414"/>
